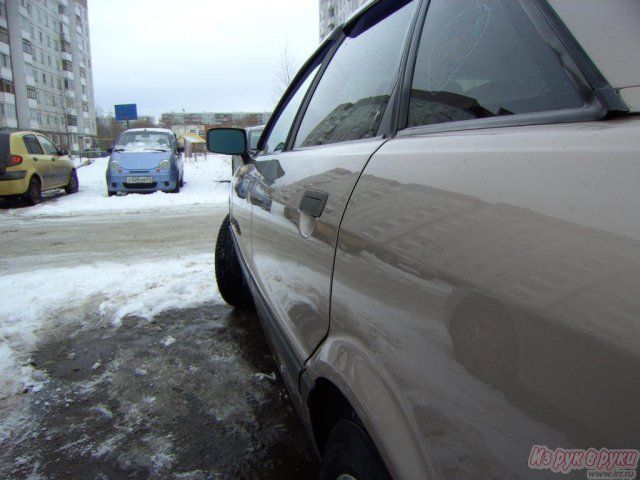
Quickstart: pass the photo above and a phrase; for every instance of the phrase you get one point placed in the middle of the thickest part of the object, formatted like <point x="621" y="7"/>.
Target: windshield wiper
<point x="157" y="149"/>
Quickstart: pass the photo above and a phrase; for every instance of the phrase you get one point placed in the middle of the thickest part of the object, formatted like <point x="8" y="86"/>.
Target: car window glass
<point x="280" y="132"/>
<point x="32" y="145"/>
<point x="356" y="86"/>
<point x="143" y="141"/>
<point x="485" y="58"/>
<point x="48" y="146"/>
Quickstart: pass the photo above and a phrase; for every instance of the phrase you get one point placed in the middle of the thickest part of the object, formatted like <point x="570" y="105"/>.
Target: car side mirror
<point x="62" y="152"/>
<point x="110" y="150"/>
<point x="228" y="141"/>
<point x="180" y="149"/>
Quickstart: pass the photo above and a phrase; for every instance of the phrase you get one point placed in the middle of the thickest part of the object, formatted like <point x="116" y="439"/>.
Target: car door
<point x="301" y="183"/>
<point x="40" y="161"/>
<point x="60" y="166"/>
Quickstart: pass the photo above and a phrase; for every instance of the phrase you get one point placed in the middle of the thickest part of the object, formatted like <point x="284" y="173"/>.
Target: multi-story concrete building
<point x="46" y="81"/>
<point x="199" y="123"/>
<point x="335" y="12"/>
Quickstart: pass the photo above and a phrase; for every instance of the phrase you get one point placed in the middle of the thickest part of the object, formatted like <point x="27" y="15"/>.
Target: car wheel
<point x="34" y="192"/>
<point x="182" y="181"/>
<point x="485" y="344"/>
<point x="350" y="454"/>
<point x="177" y="189"/>
<point x="72" y="186"/>
<point x="229" y="277"/>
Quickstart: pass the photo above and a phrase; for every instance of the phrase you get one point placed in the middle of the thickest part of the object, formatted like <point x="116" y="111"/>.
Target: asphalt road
<point x="191" y="394"/>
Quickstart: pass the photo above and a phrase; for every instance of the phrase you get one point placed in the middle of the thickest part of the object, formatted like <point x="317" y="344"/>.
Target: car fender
<point x="369" y="389"/>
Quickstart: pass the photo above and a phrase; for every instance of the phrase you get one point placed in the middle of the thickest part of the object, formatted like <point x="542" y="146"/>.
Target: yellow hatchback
<point x="30" y="164"/>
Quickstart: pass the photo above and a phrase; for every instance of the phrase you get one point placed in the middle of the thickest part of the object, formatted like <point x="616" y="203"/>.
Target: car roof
<point x="160" y="130"/>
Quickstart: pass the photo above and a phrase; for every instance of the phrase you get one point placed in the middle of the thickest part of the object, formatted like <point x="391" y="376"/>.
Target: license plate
<point x="139" y="179"/>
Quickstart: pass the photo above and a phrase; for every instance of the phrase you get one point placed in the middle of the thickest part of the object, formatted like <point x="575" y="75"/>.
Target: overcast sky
<point x="196" y="55"/>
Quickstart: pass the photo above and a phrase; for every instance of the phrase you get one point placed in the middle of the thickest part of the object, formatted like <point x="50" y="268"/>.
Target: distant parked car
<point x="440" y="231"/>
<point x="145" y="160"/>
<point x="94" y="153"/>
<point x="253" y="135"/>
<point x="30" y="164"/>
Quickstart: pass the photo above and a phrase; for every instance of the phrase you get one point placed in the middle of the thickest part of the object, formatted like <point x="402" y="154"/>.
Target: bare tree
<point x="284" y="75"/>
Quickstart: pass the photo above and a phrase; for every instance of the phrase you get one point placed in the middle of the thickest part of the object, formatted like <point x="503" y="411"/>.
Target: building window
<point x="72" y="120"/>
<point x="31" y="93"/>
<point x="83" y="73"/>
<point x="85" y="107"/>
<point x="6" y="86"/>
<point x="7" y="110"/>
<point x="67" y="66"/>
<point x="4" y="35"/>
<point x="26" y="46"/>
<point x="4" y="60"/>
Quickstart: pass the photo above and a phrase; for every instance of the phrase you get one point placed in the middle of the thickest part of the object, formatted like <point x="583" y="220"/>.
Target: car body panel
<point x="53" y="170"/>
<point x="515" y="216"/>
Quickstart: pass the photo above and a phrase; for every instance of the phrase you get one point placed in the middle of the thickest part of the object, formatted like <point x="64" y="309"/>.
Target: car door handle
<point x="313" y="202"/>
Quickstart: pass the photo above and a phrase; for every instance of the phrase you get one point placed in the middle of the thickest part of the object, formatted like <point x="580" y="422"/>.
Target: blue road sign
<point x="126" y="112"/>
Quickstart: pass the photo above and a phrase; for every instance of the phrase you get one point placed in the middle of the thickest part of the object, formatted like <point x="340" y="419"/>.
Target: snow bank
<point x="97" y="293"/>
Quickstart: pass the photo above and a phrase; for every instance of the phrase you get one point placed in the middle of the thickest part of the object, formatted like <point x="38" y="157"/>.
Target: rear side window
<point x="49" y="147"/>
<point x="31" y="142"/>
<point x="486" y="58"/>
<point x="355" y="89"/>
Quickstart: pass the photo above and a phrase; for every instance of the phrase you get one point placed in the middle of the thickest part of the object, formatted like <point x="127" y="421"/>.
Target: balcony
<point x="8" y="122"/>
<point x="28" y="58"/>
<point x="30" y="81"/>
<point x="32" y="102"/>
<point x="9" y="98"/>
<point x="67" y="56"/>
<point x="65" y="19"/>
<point x="6" y="73"/>
<point x="67" y="74"/>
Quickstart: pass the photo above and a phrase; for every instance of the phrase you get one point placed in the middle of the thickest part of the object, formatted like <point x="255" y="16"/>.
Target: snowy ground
<point x="26" y="319"/>
<point x="202" y="187"/>
<point x="118" y="358"/>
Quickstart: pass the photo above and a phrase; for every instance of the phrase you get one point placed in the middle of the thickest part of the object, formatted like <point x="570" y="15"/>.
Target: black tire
<point x="485" y="343"/>
<point x="177" y="189"/>
<point x="231" y="282"/>
<point x="350" y="453"/>
<point x="182" y="181"/>
<point x="110" y="193"/>
<point x="33" y="194"/>
<point x="72" y="186"/>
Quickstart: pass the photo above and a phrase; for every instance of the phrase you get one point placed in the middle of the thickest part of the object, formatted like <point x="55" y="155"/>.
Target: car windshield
<point x="143" y="141"/>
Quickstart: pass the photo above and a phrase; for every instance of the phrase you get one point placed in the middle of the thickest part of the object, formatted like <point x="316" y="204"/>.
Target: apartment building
<point x="335" y="12"/>
<point x="46" y="81"/>
<point x="199" y="123"/>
